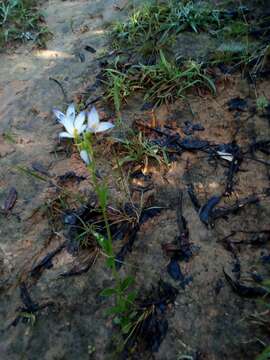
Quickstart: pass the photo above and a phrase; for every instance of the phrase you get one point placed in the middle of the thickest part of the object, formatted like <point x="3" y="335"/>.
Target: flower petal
<point x="70" y="118"/>
<point x="104" y="126"/>
<point x="59" y="115"/>
<point x="78" y="123"/>
<point x="68" y="124"/>
<point x="71" y="112"/>
<point x="85" y="157"/>
<point x="65" y="134"/>
<point x="83" y="128"/>
<point x="93" y="119"/>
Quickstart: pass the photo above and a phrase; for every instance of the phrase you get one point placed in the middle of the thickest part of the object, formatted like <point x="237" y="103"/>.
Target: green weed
<point x="118" y="87"/>
<point x="154" y="26"/>
<point x="261" y="103"/>
<point x="123" y="310"/>
<point x="235" y="30"/>
<point x="163" y="82"/>
<point x="262" y="320"/>
<point x="231" y="52"/>
<point x="149" y="35"/>
<point x="21" y="21"/>
<point x="139" y="150"/>
<point x="265" y="355"/>
<point x="9" y="137"/>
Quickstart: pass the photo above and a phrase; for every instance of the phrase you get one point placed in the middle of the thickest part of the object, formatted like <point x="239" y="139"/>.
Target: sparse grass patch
<point x="155" y="25"/>
<point x="165" y="81"/>
<point x="262" y="319"/>
<point x="231" y="52"/>
<point x="118" y="86"/>
<point x="147" y="40"/>
<point x="162" y="82"/>
<point x="21" y="21"/>
<point x="139" y="150"/>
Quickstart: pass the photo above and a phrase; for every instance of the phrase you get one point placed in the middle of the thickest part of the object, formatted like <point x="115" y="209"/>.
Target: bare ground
<point x="204" y="322"/>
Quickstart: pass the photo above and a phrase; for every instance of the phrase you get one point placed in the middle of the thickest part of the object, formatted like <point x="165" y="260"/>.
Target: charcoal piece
<point x="193" y="144"/>
<point x="225" y="211"/>
<point x="37" y="166"/>
<point x="190" y="128"/>
<point x="120" y="231"/>
<point x="237" y="104"/>
<point x="206" y="211"/>
<point x="262" y="145"/>
<point x="265" y="259"/>
<point x="259" y="238"/>
<point x="70" y="219"/>
<point x="149" y="213"/>
<point x="186" y="281"/>
<point x="183" y="238"/>
<point x="237" y="158"/>
<point x="147" y="106"/>
<point x="154" y="330"/>
<point x="70" y="175"/>
<point x="174" y="270"/>
<point x="218" y="286"/>
<point x="90" y="49"/>
<point x="193" y="197"/>
<point x="29" y="305"/>
<point x="46" y="262"/>
<point x="127" y="247"/>
<point x="257" y="277"/>
<point x="243" y="290"/>
<point x="10" y="200"/>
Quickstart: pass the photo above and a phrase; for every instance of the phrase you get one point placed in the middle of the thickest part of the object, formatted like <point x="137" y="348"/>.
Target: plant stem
<point x="98" y="189"/>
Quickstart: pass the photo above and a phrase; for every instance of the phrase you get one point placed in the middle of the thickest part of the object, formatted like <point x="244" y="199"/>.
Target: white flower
<point x="85" y="157"/>
<point x="94" y="125"/>
<point x="72" y="123"/>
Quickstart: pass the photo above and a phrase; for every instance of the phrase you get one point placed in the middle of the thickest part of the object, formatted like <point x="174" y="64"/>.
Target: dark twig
<point x="61" y="87"/>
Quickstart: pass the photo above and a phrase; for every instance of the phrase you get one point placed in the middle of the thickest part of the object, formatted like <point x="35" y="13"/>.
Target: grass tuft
<point x="20" y="21"/>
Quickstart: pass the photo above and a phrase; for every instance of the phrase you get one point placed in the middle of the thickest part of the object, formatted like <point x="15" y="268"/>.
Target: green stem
<point x="92" y="169"/>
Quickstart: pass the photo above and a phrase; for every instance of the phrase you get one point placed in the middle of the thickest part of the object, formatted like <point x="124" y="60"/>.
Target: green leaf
<point x="117" y="320"/>
<point x="110" y="262"/>
<point x="102" y="241"/>
<point x="265" y="355"/>
<point x="102" y="193"/>
<point x="31" y="173"/>
<point x="126" y="159"/>
<point x="127" y="282"/>
<point x="132" y="296"/>
<point x="115" y="310"/>
<point x="108" y="292"/>
<point x="133" y="315"/>
<point x="126" y="328"/>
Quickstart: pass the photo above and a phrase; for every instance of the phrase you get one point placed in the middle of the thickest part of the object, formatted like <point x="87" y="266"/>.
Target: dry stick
<point x="91" y="102"/>
<point x="258" y="160"/>
<point x="221" y="212"/>
<point x="61" y="87"/>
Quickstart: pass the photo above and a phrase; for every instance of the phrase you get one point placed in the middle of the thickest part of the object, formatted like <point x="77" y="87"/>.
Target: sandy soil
<point x="208" y="321"/>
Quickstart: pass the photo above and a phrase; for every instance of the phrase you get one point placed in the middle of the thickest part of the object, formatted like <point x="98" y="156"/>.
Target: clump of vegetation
<point x="139" y="150"/>
<point x="230" y="52"/>
<point x="262" y="103"/>
<point x="166" y="81"/>
<point x="118" y="85"/>
<point x="21" y="21"/>
<point x="147" y="39"/>
<point x="154" y="26"/>
<point x="162" y="82"/>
